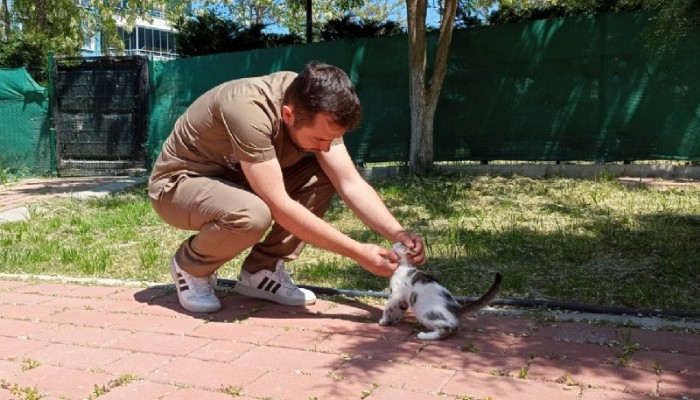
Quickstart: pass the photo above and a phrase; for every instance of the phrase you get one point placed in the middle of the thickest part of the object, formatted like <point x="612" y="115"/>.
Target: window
<point x="89" y="43"/>
<point x="148" y="41"/>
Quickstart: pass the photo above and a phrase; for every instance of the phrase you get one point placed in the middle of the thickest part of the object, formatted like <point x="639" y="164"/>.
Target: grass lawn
<point x="589" y="241"/>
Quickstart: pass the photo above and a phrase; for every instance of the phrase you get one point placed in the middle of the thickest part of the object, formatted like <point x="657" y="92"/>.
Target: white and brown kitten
<point x="433" y="305"/>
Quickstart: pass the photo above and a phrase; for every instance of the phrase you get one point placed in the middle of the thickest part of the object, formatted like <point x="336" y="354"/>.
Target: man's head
<point x="321" y="98"/>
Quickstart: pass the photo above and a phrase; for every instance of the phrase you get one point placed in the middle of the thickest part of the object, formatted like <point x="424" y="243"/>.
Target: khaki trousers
<point x="230" y="219"/>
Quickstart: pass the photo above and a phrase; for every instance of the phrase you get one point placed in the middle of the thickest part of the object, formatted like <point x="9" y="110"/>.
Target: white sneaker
<point x="195" y="294"/>
<point x="274" y="286"/>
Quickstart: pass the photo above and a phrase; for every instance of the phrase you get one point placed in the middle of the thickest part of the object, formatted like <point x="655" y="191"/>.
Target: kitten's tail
<point x="485" y="299"/>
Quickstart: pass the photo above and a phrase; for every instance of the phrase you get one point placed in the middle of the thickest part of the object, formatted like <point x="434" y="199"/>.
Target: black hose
<point x="524" y="303"/>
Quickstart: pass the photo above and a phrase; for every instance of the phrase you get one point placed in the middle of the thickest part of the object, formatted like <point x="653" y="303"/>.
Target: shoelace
<point x="201" y="286"/>
<point x="282" y="275"/>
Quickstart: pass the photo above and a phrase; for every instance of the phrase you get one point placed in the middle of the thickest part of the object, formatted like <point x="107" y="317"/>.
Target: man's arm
<point x="364" y="201"/>
<point x="266" y="180"/>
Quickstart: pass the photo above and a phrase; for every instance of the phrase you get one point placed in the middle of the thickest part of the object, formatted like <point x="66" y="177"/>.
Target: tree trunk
<point x="423" y="95"/>
<point x="6" y="20"/>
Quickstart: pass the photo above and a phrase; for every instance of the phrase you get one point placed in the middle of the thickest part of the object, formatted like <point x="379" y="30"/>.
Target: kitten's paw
<point x="428" y="336"/>
<point x="387" y="322"/>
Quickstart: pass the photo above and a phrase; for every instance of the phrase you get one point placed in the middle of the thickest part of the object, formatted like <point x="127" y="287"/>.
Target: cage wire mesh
<point x="100" y="110"/>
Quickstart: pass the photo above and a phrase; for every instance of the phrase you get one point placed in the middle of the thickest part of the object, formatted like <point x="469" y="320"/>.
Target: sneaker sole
<point x="194" y="309"/>
<point x="261" y="294"/>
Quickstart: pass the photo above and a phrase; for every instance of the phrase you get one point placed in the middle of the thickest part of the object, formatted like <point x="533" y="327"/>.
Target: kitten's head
<point x="401" y="250"/>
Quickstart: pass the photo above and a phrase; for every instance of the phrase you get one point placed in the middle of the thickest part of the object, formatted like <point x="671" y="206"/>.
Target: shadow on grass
<point x="646" y="262"/>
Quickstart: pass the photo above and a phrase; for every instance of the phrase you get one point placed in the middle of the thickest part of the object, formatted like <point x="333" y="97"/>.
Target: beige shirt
<point x="237" y="120"/>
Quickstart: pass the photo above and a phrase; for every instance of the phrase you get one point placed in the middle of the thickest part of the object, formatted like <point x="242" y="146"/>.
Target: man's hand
<point x="377" y="260"/>
<point x="415" y="243"/>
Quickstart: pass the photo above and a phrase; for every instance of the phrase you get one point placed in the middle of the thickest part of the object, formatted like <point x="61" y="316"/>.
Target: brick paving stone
<point x="479" y="342"/>
<point x="298" y="386"/>
<point x="159" y="343"/>
<point x="513" y="326"/>
<point x="77" y="303"/>
<point x="677" y="386"/>
<point x="677" y="342"/>
<point x="93" y="291"/>
<point x="27" y="312"/>
<point x="394" y="374"/>
<point x="57" y="382"/>
<point x="390" y="393"/>
<point x="481" y="386"/>
<point x="289" y="360"/>
<point x="9" y="285"/>
<point x="369" y="347"/>
<point x="124" y="294"/>
<point x="351" y="326"/>
<point x="170" y="307"/>
<point x="577" y="333"/>
<point x="11" y="348"/>
<point x="10" y="368"/>
<point x="22" y="298"/>
<point x="354" y="309"/>
<point x="603" y="394"/>
<point x="138" y="364"/>
<point x="222" y="350"/>
<point x="299" y="339"/>
<point x="80" y="335"/>
<point x="456" y="359"/>
<point x="142" y="390"/>
<point x="5" y="394"/>
<point x="287" y="319"/>
<point x="94" y="318"/>
<point x="150" y="294"/>
<point x="237" y="308"/>
<point x="189" y="394"/>
<point x="210" y="375"/>
<point x="320" y="307"/>
<point x="78" y="357"/>
<point x="673" y="362"/>
<point x="45" y="289"/>
<point x="536" y="346"/>
<point x="594" y="374"/>
<point x="22" y="328"/>
<point x="243" y="303"/>
<point x="155" y="323"/>
<point x="241" y="332"/>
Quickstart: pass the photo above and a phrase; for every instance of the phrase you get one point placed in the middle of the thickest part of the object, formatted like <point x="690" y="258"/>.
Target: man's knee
<point x="255" y="220"/>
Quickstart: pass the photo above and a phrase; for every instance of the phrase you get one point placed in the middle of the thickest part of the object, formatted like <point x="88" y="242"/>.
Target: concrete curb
<point x="574" y="171"/>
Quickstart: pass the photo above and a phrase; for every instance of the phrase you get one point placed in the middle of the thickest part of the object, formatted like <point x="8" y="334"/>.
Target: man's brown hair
<point x="324" y="88"/>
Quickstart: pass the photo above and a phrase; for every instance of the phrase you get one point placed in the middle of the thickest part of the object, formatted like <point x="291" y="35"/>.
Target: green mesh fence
<point x="376" y="66"/>
<point x="25" y="144"/>
<point x="574" y="89"/>
<point x="554" y="90"/>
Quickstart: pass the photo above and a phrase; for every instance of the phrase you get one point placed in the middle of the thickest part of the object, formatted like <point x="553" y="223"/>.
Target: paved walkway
<point x="74" y="341"/>
<point x="16" y="197"/>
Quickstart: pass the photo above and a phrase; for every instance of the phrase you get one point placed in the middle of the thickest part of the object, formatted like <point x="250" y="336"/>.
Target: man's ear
<point x="288" y="115"/>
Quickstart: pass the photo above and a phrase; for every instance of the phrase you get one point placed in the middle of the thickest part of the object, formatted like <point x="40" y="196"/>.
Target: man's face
<point x="314" y="137"/>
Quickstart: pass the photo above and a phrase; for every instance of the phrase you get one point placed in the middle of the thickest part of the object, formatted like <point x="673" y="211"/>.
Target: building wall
<point x="155" y="39"/>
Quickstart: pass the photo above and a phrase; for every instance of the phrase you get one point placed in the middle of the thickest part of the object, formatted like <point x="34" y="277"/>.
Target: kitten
<point x="434" y="307"/>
